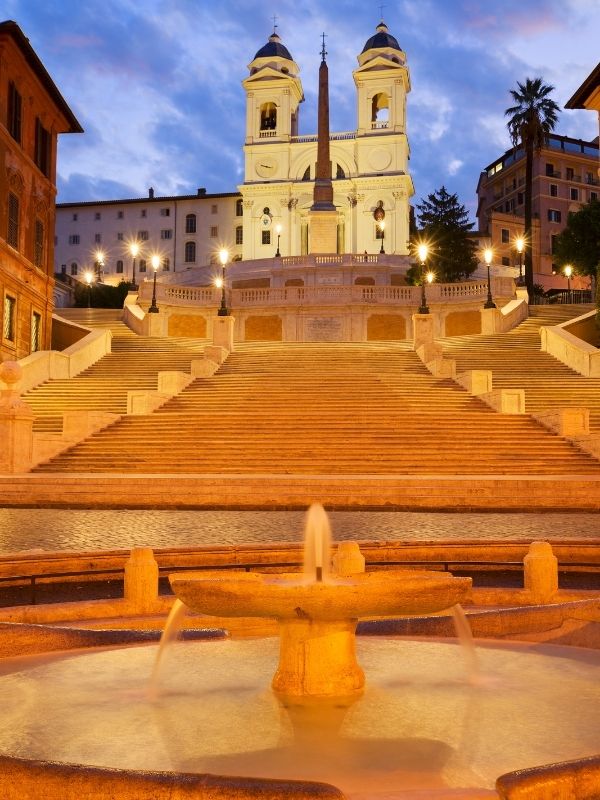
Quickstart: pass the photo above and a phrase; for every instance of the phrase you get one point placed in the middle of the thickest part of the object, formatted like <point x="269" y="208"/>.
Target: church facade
<point x="369" y="166"/>
<point x="269" y="214"/>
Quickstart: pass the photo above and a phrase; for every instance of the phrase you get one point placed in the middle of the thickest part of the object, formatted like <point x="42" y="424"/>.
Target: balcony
<point x="379" y="126"/>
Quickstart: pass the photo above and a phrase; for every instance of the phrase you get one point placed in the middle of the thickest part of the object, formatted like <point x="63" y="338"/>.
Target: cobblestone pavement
<point x="59" y="529"/>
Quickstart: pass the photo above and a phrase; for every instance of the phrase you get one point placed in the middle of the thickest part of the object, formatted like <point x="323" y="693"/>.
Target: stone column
<point x="16" y="423"/>
<point x="223" y="332"/>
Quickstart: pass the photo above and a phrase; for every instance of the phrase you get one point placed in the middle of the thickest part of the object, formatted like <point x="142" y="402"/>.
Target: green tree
<point x="532" y="118"/>
<point x="101" y="295"/>
<point x="579" y="244"/>
<point x="444" y="225"/>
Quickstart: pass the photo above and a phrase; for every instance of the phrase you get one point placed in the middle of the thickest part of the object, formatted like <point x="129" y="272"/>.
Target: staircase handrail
<point x="52" y="364"/>
<point x="566" y="343"/>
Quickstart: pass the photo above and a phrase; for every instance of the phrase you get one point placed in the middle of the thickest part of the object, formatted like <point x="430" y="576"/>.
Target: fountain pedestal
<point x="318" y="659"/>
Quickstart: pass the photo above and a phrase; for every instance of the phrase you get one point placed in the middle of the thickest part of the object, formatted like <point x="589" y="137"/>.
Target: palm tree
<point x="531" y="121"/>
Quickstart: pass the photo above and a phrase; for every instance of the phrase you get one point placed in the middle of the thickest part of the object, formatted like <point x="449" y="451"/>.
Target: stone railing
<point x="333" y="137"/>
<point x="442" y="293"/>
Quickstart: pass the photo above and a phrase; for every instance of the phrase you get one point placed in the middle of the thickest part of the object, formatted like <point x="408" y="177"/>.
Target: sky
<point x="156" y="85"/>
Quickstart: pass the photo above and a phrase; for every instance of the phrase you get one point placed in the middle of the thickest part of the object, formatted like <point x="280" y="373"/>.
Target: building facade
<point x="185" y="232"/>
<point x="32" y="114"/>
<point x="269" y="214"/>
<point x="565" y="176"/>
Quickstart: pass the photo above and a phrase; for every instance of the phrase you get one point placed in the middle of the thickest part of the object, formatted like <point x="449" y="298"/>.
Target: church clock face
<point x="265" y="166"/>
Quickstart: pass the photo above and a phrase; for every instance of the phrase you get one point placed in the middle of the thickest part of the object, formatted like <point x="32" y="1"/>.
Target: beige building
<point x="565" y="176"/>
<point x="32" y="114"/>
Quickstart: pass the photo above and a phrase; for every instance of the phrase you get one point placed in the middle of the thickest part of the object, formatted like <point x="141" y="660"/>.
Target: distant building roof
<point x="12" y="29"/>
<point x="274" y="48"/>
<point x="200" y="195"/>
<point x="383" y="38"/>
<point x="585" y="91"/>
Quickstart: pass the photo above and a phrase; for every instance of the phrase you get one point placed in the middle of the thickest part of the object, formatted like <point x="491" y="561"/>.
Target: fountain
<point x="318" y="612"/>
<point x="417" y="723"/>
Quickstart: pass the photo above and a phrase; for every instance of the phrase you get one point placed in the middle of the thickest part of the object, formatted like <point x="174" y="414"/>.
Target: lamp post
<point x="134" y="249"/>
<point x="155" y="261"/>
<point x="278" y="232"/>
<point x="223" y="310"/>
<point x="520" y="244"/>
<point x="89" y="277"/>
<point x="99" y="264"/>
<point x="382" y="229"/>
<point x="422" y="250"/>
<point x="568" y="270"/>
<point x="487" y="255"/>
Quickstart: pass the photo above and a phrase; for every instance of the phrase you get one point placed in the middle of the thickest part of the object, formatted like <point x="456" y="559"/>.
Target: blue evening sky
<point x="157" y="84"/>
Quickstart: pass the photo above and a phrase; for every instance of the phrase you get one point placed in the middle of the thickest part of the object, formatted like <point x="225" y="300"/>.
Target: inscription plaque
<point x="323" y="329"/>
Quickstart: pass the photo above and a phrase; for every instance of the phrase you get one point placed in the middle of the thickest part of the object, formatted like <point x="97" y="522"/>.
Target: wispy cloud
<point x="158" y="90"/>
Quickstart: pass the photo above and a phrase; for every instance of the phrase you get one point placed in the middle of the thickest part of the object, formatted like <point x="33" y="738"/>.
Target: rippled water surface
<point x="60" y="529"/>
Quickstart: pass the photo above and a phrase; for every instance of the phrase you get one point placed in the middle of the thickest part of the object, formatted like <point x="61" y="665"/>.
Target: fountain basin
<point x="317" y="619"/>
<point x="420" y="725"/>
<point x="292" y="596"/>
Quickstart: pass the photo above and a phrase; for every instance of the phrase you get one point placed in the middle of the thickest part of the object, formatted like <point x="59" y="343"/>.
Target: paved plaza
<point x="61" y="529"/>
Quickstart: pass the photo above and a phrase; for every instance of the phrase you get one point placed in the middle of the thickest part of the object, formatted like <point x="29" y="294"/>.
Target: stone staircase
<point x="516" y="361"/>
<point x="134" y="363"/>
<point x="341" y="409"/>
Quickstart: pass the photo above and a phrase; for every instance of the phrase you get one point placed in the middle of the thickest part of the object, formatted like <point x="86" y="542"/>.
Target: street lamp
<point x="382" y="229"/>
<point x="422" y="250"/>
<point x="223" y="310"/>
<point x="520" y="244"/>
<point x="487" y="255"/>
<point x="155" y="261"/>
<point x="134" y="249"/>
<point x="278" y="232"/>
<point x="568" y="270"/>
<point x="89" y="277"/>
<point x="99" y="264"/>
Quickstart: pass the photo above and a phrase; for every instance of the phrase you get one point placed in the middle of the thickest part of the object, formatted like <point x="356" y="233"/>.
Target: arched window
<point x="190" y="223"/>
<point x="268" y="117"/>
<point x="380" y="111"/>
<point x="339" y="173"/>
<point x="239" y="234"/>
<point x="239" y="208"/>
<point x="166" y="264"/>
<point x="190" y="250"/>
<point x="306" y="176"/>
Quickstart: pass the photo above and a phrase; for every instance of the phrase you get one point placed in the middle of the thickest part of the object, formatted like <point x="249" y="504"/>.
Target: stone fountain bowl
<point x="295" y="596"/>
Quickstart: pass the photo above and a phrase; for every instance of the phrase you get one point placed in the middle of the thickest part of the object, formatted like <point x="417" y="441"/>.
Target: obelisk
<point x="323" y="217"/>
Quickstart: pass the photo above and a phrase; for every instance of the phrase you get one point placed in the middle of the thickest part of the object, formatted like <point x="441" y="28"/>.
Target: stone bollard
<point x="541" y="572"/>
<point x="348" y="559"/>
<point x="141" y="579"/>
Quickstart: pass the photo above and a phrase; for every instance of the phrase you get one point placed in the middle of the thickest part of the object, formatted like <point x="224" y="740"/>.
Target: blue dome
<point x="274" y="48"/>
<point x="381" y="39"/>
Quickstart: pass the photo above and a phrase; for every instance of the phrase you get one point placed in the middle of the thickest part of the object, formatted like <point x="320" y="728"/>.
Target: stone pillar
<point x="422" y="329"/>
<point x="141" y="579"/>
<point x="223" y="332"/>
<point x="155" y="324"/>
<point x="541" y="572"/>
<point x="16" y="423"/>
